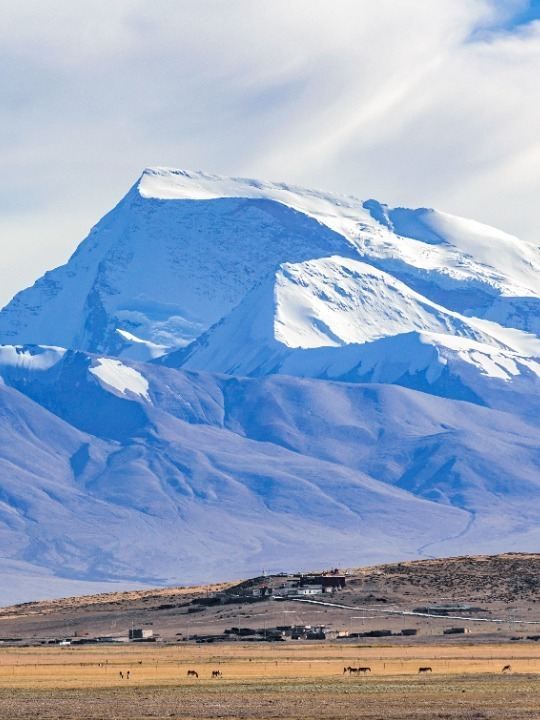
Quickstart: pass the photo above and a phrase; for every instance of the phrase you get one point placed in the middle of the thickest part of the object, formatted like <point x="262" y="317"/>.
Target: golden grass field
<point x="289" y="680"/>
<point x="80" y="667"/>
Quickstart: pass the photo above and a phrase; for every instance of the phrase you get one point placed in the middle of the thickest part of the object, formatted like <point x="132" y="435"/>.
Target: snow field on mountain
<point x="182" y="250"/>
<point x="230" y="375"/>
<point x="38" y="358"/>
<point x="120" y="377"/>
<point x="338" y="301"/>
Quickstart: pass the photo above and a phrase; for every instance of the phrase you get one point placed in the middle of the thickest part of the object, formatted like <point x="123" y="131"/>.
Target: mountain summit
<point x="230" y="374"/>
<point x="183" y="249"/>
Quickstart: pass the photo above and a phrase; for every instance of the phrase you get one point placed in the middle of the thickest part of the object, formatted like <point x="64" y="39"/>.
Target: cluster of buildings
<point x="275" y="586"/>
<point x="300" y="585"/>
<point x="280" y="633"/>
<point x="134" y="635"/>
<point x="377" y="633"/>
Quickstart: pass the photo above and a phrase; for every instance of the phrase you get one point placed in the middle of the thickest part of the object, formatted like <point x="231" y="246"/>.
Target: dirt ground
<point x="501" y="589"/>
<point x="296" y="680"/>
<point x="289" y="680"/>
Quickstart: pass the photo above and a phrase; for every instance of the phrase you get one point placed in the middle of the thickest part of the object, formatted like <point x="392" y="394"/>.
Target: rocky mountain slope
<point x="229" y="376"/>
<point x="131" y="473"/>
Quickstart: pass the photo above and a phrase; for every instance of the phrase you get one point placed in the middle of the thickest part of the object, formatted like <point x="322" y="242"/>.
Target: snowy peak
<point x="171" y="184"/>
<point x="344" y="319"/>
<point x="331" y="302"/>
<point x="464" y="265"/>
<point x="509" y="264"/>
<point x="183" y="249"/>
<point x="162" y="272"/>
<point x="338" y="301"/>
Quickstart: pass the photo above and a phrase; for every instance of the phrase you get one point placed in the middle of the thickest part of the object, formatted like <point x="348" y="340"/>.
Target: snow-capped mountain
<point x="342" y="319"/>
<point x="229" y="375"/>
<point x="181" y="250"/>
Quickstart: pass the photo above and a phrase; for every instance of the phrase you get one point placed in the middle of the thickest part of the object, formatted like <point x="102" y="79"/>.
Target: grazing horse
<point x="425" y="669"/>
<point x="364" y="670"/>
<point x="192" y="673"/>
<point x="507" y="668"/>
<point x="216" y="673"/>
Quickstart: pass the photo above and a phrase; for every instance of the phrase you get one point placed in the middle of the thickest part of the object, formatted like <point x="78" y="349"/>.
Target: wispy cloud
<point x="414" y="102"/>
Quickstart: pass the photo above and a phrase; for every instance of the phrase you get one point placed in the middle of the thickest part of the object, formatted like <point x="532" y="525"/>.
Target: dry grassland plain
<point x="288" y="680"/>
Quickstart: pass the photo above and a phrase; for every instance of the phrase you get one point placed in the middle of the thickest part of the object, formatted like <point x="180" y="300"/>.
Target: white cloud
<point x="420" y="102"/>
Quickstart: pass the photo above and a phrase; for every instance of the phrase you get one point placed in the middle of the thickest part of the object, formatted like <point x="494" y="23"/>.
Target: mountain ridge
<point x="246" y="229"/>
<point x="230" y="374"/>
<point x="209" y="472"/>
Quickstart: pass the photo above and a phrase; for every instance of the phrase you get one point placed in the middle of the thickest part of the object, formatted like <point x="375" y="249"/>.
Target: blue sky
<point x="530" y="12"/>
<point x="510" y="16"/>
<point x="416" y="102"/>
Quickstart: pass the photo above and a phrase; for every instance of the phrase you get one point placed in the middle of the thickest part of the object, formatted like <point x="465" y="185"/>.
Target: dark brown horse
<point x="192" y="673"/>
<point x="425" y="669"/>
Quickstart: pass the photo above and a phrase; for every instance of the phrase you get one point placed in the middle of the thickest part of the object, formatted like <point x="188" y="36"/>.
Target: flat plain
<point x="40" y="679"/>
<point x="288" y="680"/>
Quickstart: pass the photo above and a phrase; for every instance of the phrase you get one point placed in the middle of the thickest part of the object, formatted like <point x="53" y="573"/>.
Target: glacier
<point x="230" y="375"/>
